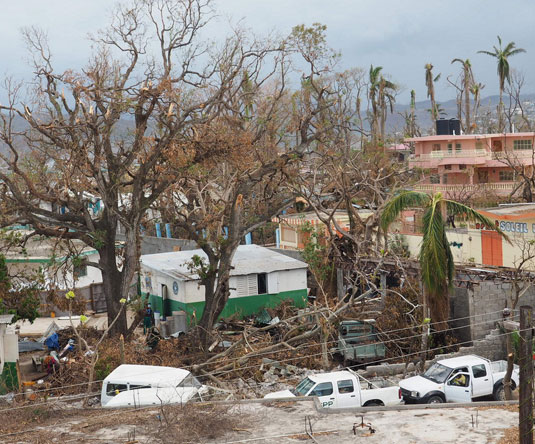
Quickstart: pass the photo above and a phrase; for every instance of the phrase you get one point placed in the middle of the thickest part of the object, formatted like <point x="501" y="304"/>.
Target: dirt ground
<point x="282" y="422"/>
<point x="286" y="424"/>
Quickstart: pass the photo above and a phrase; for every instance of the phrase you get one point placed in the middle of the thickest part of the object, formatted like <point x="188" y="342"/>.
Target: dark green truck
<point x="358" y="342"/>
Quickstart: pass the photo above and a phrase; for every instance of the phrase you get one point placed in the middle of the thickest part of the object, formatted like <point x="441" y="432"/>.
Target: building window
<point x="80" y="271"/>
<point x="479" y="145"/>
<point x="450" y="147"/>
<point x="447" y="167"/>
<point x="522" y="144"/>
<point x="444" y="178"/>
<point x="262" y="283"/>
<point x="507" y="176"/>
<point x="457" y="147"/>
<point x="434" y="178"/>
<point x="436" y="147"/>
<point x="462" y="167"/>
<point x="247" y="285"/>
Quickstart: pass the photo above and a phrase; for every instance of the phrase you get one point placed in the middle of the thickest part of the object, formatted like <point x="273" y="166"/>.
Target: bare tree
<point x="106" y="134"/>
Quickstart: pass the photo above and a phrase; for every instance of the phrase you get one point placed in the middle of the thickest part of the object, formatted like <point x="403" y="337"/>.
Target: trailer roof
<point x="147" y="374"/>
<point x="248" y="259"/>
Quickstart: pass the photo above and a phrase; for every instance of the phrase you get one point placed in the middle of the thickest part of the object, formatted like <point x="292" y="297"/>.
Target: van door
<point x="348" y="395"/>
<point x="481" y="383"/>
<point x="325" y="393"/>
<point x="459" y="388"/>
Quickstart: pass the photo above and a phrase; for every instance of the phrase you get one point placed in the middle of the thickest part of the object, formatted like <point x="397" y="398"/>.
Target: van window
<point x="479" y="371"/>
<point x="114" y="389"/>
<point x="137" y="387"/>
<point x="345" y="386"/>
<point x="190" y="381"/>
<point x="323" y="389"/>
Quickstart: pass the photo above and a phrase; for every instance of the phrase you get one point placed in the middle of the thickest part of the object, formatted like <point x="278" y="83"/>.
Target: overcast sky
<point x="400" y="35"/>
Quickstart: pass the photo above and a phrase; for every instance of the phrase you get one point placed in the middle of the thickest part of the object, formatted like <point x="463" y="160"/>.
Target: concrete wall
<point x="153" y="245"/>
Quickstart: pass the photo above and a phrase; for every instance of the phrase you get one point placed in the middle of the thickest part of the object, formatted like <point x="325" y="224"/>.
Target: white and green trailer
<point x="260" y="278"/>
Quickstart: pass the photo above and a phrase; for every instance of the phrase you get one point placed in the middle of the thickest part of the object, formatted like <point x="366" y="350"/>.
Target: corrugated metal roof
<point x="248" y="259"/>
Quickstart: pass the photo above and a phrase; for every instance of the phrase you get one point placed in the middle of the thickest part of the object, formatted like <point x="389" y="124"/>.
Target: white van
<point x="145" y="385"/>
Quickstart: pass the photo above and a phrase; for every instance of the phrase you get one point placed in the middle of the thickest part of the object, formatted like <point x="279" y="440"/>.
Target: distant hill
<point x="396" y="122"/>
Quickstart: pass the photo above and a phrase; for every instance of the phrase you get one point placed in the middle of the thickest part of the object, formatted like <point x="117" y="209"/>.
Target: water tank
<point x="443" y="126"/>
<point x="448" y="127"/>
<point x="455" y="126"/>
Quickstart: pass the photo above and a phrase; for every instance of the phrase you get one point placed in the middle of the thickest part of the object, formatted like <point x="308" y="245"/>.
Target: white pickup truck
<point x="462" y="379"/>
<point x="338" y="390"/>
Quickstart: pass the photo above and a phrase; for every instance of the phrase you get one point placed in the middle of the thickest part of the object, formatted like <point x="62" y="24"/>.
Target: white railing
<point x="511" y="155"/>
<point x="505" y="186"/>
<point x="450" y="154"/>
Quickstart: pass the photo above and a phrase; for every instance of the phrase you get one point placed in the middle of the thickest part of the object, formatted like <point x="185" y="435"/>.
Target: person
<point x="460" y="380"/>
<point x="148" y="320"/>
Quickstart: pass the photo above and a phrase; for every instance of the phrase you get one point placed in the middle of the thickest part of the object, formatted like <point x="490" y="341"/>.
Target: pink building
<point x="472" y="163"/>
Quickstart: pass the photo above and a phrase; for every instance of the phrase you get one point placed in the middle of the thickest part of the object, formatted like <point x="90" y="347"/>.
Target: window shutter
<point x="241" y="285"/>
<point x="252" y="284"/>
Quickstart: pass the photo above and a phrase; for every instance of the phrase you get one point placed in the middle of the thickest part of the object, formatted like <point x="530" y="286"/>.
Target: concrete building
<point x="475" y="244"/>
<point x="293" y="227"/>
<point x="471" y="163"/>
<point x="260" y="278"/>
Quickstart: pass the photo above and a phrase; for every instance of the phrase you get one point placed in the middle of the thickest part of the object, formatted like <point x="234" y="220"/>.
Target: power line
<point x="295" y="349"/>
<point x="254" y="366"/>
<point x="204" y="402"/>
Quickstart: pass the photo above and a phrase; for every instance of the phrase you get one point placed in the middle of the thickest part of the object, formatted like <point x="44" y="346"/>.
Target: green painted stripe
<point x="243" y="306"/>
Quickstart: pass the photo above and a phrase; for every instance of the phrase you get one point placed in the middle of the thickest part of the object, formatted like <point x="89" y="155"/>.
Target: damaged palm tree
<point x="436" y="259"/>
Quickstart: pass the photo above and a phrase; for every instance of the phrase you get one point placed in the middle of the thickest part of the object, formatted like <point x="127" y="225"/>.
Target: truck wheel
<point x="499" y="393"/>
<point x="435" y="399"/>
<point x="373" y="404"/>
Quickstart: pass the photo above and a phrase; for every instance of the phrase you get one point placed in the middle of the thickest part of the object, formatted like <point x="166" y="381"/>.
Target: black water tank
<point x="455" y="126"/>
<point x="443" y="127"/>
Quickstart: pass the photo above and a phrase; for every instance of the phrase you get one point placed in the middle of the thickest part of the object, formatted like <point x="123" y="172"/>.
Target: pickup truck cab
<point x="337" y="390"/>
<point x="462" y="379"/>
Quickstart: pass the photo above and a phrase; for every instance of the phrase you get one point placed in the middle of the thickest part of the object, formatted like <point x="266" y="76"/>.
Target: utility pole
<point x="525" y="421"/>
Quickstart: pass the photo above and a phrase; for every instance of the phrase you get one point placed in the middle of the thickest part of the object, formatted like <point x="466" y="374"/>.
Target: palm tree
<point x="381" y="93"/>
<point x="430" y="83"/>
<point x="374" y="84"/>
<point x="468" y="80"/>
<point x="502" y="55"/>
<point x="475" y="89"/>
<point x="436" y="259"/>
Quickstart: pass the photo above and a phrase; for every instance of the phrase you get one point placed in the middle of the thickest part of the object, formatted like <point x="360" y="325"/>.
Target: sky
<point x="399" y="35"/>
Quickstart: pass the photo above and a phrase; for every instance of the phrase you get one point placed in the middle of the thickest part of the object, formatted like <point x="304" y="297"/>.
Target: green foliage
<point x="315" y="253"/>
<point x="199" y="266"/>
<point x="23" y="303"/>
<point x="398" y="245"/>
<point x="103" y="367"/>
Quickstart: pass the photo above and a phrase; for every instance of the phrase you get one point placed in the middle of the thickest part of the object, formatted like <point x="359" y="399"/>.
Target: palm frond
<point x="405" y="199"/>
<point x="434" y="250"/>
<point x="517" y="51"/>
<point x="456" y="208"/>
<point x="492" y="54"/>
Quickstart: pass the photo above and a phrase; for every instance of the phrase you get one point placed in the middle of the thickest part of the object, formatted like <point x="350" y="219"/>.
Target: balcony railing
<point x="503" y="187"/>
<point x="449" y="154"/>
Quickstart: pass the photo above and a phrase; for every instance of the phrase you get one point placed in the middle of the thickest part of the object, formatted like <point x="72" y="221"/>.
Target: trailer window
<point x="345" y="386"/>
<point x="322" y="389"/>
<point x="114" y="389"/>
<point x="190" y="381"/>
<point x="137" y="387"/>
<point x="479" y="371"/>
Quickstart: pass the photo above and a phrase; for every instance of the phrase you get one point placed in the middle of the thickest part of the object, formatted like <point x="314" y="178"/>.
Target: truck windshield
<point x="437" y="373"/>
<point x="303" y="387"/>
